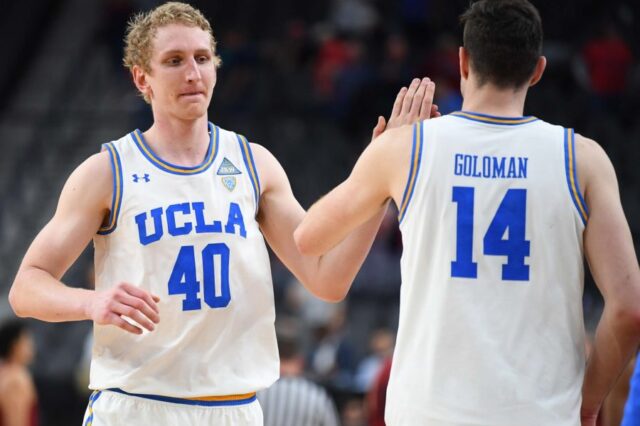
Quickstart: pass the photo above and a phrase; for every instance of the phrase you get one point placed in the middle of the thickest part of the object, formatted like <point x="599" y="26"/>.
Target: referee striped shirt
<point x="297" y="401"/>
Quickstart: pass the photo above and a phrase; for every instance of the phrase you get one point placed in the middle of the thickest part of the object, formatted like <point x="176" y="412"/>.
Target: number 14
<point x="510" y="217"/>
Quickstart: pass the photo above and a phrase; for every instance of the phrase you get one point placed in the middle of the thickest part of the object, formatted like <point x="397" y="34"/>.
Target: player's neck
<point x="180" y="142"/>
<point x="493" y="101"/>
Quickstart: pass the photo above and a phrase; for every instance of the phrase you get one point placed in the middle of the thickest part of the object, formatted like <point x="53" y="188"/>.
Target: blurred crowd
<point x="297" y="74"/>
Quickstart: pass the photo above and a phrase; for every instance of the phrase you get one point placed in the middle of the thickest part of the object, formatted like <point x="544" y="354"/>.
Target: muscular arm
<point x="376" y="177"/>
<point x="280" y="214"/>
<point x="354" y="215"/>
<point x="339" y="216"/>
<point x="37" y="290"/>
<point x="614" y="266"/>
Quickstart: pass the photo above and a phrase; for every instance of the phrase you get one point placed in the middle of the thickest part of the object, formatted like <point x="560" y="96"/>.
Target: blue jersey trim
<point x="416" y="158"/>
<point x="572" y="175"/>
<point x="209" y="157"/>
<point x="184" y="401"/>
<point x="118" y="187"/>
<point x="493" y="119"/>
<point x="92" y="399"/>
<point x="247" y="156"/>
<point x="581" y="201"/>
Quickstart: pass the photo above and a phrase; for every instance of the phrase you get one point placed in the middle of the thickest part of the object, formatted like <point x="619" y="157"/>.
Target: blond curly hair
<point x="142" y="29"/>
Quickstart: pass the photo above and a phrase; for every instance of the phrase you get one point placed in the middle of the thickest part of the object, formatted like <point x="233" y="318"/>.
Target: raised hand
<point x="411" y="105"/>
<point x="109" y="307"/>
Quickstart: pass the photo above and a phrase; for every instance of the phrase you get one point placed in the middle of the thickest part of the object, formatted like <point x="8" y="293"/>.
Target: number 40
<point x="183" y="278"/>
<point x="511" y="217"/>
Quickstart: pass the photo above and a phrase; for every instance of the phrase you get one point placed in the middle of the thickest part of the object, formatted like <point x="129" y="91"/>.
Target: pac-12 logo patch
<point x="227" y="168"/>
<point x="229" y="182"/>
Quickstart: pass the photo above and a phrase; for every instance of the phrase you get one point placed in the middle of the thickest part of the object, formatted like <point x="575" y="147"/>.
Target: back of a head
<point x="503" y="39"/>
<point x="288" y="333"/>
<point x="10" y="332"/>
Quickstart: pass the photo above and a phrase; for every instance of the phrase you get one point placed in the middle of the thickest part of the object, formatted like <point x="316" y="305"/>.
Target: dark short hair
<point x="10" y="332"/>
<point x="504" y="41"/>
<point x="288" y="334"/>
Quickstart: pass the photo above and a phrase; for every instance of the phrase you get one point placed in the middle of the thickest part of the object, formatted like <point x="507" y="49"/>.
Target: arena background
<point x="307" y="80"/>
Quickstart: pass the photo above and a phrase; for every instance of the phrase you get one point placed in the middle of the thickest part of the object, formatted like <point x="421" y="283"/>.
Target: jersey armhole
<point x="116" y="198"/>
<point x="572" y="175"/>
<point x="250" y="165"/>
<point x="416" y="157"/>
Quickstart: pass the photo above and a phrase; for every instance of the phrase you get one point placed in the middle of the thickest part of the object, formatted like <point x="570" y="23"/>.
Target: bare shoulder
<point x="269" y="170"/>
<point x="389" y="159"/>
<point x="97" y="165"/>
<point x="260" y="153"/>
<point x="588" y="147"/>
<point x="395" y="139"/>
<point x="593" y="164"/>
<point x="91" y="182"/>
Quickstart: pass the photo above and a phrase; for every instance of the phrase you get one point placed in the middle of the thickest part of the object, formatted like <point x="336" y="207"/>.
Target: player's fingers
<point x="126" y="326"/>
<point x="427" y="101"/>
<point x="122" y="309"/>
<point x="142" y="294"/>
<point x="419" y="99"/>
<point x="408" y="97"/>
<point x="397" y="105"/>
<point x="141" y="319"/>
<point x="380" y="126"/>
<point x="434" y="111"/>
<point x="140" y="305"/>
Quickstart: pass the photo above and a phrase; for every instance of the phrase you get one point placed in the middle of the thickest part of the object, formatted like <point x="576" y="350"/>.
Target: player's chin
<point x="192" y="111"/>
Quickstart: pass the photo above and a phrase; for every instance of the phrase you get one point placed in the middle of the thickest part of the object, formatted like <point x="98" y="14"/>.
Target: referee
<point x="295" y="400"/>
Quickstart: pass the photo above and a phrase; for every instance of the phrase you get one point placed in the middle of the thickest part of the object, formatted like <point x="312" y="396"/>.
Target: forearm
<point x="36" y="293"/>
<point x="337" y="268"/>
<point x="616" y="340"/>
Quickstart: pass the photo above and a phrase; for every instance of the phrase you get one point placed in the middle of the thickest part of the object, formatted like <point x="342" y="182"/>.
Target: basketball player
<point x="183" y="307"/>
<point x="496" y="211"/>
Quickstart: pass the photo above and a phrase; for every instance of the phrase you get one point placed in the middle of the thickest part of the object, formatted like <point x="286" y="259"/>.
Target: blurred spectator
<point x="349" y="80"/>
<point x="395" y="68"/>
<point x="381" y="348"/>
<point x="333" y="57"/>
<point x="332" y="360"/>
<point x="608" y="60"/>
<point x="18" y="398"/>
<point x="355" y="17"/>
<point x="374" y="299"/>
<point x="116" y="15"/>
<point x="293" y="399"/>
<point x="377" y="395"/>
<point x="353" y="413"/>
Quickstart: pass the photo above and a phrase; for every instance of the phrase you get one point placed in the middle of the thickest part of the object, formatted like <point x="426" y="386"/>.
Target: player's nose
<point x="192" y="72"/>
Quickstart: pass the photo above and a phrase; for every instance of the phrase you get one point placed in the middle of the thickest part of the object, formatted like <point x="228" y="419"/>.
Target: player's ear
<point x="538" y="71"/>
<point x="463" y="57"/>
<point x="140" y="80"/>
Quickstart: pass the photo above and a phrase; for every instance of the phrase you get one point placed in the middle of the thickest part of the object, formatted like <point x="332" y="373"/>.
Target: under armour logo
<point x="144" y="177"/>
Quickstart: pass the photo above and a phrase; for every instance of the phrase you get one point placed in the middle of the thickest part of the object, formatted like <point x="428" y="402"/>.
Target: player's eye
<point x="173" y="61"/>
<point x="202" y="59"/>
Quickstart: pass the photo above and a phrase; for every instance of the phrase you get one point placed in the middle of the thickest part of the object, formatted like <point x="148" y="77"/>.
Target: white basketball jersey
<point x="491" y="324"/>
<point x="188" y="235"/>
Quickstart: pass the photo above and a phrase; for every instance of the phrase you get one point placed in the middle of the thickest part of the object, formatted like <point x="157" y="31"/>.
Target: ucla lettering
<point x="180" y="219"/>
<point x="141" y="221"/>
<point x="490" y="167"/>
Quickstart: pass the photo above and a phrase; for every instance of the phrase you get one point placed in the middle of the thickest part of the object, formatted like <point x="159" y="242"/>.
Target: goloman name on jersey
<point x="490" y="167"/>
